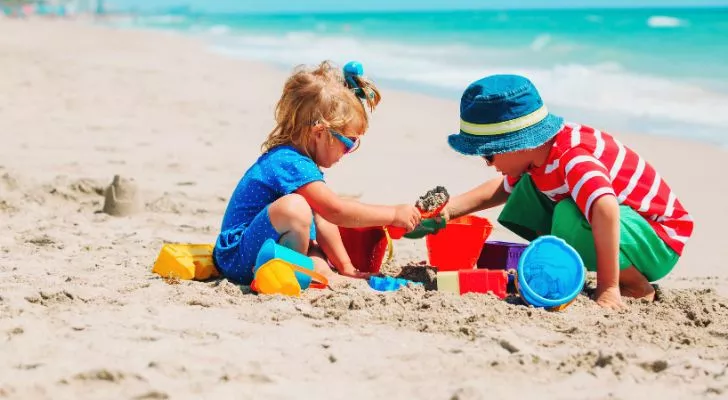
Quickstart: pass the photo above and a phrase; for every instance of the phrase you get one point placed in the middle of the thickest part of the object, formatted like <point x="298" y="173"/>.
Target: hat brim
<point x="523" y="139"/>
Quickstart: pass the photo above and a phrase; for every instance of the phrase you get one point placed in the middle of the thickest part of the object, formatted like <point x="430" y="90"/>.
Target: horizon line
<point x="425" y="10"/>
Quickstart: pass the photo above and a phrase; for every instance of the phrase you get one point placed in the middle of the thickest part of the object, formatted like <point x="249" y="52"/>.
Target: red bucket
<point x="367" y="247"/>
<point x="458" y="246"/>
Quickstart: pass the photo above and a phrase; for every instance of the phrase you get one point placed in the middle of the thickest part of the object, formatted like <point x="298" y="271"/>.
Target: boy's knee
<point x="291" y="211"/>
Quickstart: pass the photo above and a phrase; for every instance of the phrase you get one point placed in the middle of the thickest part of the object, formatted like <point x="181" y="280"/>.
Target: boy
<point x="570" y="181"/>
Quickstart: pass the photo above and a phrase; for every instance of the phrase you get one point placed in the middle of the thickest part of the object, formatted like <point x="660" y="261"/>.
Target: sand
<point x="82" y="316"/>
<point x="433" y="200"/>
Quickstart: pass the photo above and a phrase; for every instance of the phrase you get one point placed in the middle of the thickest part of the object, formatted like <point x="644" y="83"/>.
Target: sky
<point x="339" y="5"/>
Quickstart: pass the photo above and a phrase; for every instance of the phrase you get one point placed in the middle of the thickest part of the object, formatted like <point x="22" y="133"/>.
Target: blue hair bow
<point x="354" y="69"/>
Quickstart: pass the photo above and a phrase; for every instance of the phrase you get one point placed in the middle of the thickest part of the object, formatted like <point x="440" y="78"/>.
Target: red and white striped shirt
<point x="586" y="164"/>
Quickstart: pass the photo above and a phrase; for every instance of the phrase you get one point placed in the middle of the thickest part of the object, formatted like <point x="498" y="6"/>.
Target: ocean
<point x="653" y="71"/>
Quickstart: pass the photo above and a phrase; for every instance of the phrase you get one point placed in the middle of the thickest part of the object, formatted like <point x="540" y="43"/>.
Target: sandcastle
<point x="122" y="197"/>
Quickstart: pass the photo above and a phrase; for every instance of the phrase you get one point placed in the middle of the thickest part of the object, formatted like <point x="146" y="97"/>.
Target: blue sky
<point x="343" y="5"/>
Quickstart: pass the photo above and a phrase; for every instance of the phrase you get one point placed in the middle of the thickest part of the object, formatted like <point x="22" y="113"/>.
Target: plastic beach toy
<point x="388" y="283"/>
<point x="550" y="273"/>
<point x="458" y="246"/>
<point x="429" y="205"/>
<point x="367" y="247"/>
<point x="186" y="261"/>
<point x="281" y="270"/>
<point x="501" y="255"/>
<point x="473" y="281"/>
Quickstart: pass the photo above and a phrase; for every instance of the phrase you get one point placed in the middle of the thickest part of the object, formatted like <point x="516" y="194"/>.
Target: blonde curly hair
<point x="319" y="95"/>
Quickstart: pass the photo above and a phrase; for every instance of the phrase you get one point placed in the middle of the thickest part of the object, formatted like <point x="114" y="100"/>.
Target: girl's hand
<point x="406" y="216"/>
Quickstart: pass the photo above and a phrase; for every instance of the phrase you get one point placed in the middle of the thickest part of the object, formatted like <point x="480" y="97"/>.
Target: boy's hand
<point x="611" y="299"/>
<point x="427" y="227"/>
<point x="406" y="216"/>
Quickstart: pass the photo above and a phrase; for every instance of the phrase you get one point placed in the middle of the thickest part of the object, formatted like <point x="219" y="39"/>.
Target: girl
<point x="320" y="117"/>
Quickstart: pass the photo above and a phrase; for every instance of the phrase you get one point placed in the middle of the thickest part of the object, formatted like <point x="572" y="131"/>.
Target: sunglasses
<point x="351" y="144"/>
<point x="489" y="159"/>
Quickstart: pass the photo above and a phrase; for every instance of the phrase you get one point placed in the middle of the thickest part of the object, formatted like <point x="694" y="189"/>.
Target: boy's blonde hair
<point x="319" y="95"/>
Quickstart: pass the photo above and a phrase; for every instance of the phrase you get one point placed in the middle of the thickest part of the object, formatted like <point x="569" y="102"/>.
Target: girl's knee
<point x="291" y="211"/>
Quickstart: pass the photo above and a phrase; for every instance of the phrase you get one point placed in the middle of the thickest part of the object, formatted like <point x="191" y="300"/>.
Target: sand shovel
<point x="430" y="205"/>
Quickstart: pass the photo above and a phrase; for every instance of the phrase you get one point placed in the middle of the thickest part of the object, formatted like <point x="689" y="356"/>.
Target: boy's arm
<point x="490" y="194"/>
<point x="590" y="186"/>
<point x="605" y="227"/>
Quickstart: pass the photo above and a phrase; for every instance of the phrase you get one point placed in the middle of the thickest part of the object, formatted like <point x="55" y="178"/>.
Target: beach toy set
<point x="186" y="261"/>
<point x="454" y="251"/>
<point x="546" y="273"/>
<point x="280" y="270"/>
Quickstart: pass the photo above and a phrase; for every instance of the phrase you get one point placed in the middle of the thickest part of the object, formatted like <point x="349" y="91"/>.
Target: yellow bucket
<point x="186" y="261"/>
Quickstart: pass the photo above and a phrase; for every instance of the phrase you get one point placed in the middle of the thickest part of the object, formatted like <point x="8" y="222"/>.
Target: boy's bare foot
<point x="633" y="284"/>
<point x="644" y="293"/>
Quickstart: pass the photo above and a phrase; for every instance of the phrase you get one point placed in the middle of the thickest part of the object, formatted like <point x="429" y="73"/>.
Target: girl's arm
<point x="489" y="194"/>
<point x="353" y="214"/>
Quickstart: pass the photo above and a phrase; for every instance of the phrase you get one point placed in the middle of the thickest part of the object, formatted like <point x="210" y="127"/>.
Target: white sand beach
<point x="82" y="316"/>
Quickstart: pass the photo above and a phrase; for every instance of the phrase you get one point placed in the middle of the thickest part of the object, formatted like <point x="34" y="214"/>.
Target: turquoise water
<point x="660" y="71"/>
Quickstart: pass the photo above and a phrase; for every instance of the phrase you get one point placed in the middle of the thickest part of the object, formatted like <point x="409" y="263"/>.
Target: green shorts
<point x="530" y="214"/>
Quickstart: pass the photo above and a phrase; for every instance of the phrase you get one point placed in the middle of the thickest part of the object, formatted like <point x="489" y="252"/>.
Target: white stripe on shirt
<point x="584" y="179"/>
<point x="599" y="149"/>
<point x="575" y="135"/>
<point x="632" y="181"/>
<point x="651" y="194"/>
<point x="618" y="161"/>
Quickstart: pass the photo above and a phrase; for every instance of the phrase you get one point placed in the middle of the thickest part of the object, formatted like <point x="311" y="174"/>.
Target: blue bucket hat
<point x="502" y="114"/>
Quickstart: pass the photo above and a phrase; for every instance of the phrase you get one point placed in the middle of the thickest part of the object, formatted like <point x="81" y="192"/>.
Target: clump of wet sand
<point x="433" y="199"/>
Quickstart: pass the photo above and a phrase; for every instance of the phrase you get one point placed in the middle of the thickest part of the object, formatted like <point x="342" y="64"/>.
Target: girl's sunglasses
<point x="351" y="144"/>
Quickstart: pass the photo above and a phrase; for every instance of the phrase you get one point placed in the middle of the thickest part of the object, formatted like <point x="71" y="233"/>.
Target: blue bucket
<point x="550" y="273"/>
<point x="272" y="250"/>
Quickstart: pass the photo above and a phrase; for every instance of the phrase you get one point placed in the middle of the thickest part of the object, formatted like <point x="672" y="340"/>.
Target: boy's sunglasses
<point x="351" y="144"/>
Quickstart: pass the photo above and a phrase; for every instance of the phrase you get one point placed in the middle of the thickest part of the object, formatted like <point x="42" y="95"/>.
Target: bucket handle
<point x="322" y="283"/>
<point x="390" y="246"/>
